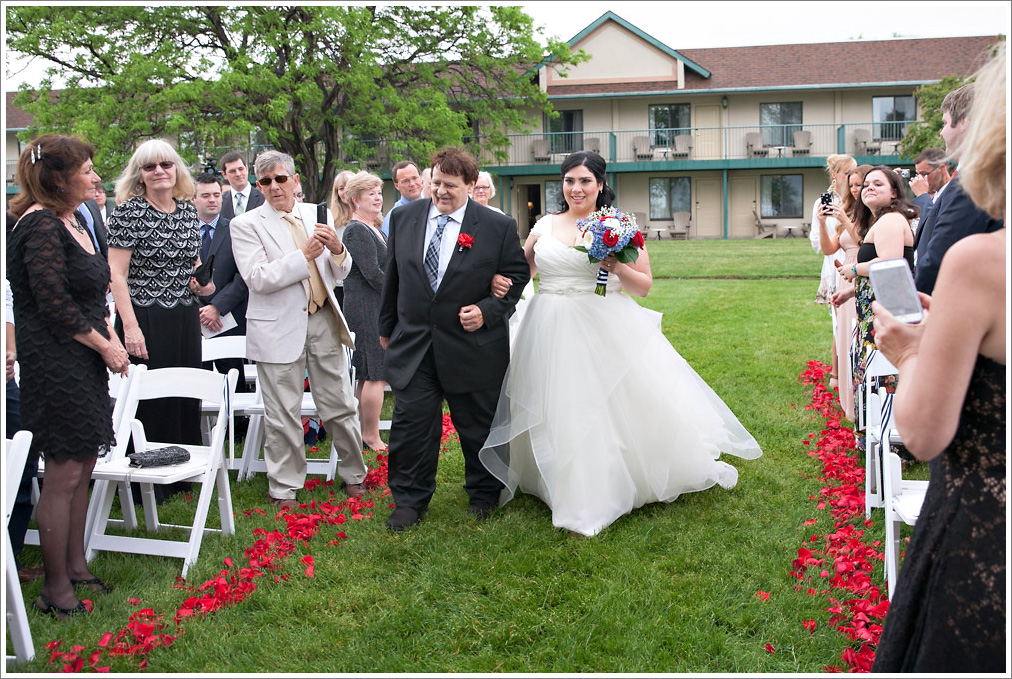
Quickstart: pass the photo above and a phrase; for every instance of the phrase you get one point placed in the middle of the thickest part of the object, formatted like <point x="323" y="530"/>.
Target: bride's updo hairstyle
<point x="595" y="163"/>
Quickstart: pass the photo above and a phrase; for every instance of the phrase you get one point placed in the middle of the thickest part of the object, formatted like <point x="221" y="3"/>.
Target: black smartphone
<point x="321" y="213"/>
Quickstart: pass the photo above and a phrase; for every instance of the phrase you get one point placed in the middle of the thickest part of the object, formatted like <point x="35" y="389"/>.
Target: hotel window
<point x="567" y="131"/>
<point x="669" y="195"/>
<point x="891" y="116"/>
<point x="779" y="122"/>
<point x="667" y="120"/>
<point x="781" y="195"/>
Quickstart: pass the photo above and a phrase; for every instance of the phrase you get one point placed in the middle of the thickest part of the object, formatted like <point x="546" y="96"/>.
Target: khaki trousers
<point x="282" y="383"/>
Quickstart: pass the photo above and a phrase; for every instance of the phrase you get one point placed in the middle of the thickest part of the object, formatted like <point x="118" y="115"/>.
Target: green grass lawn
<point x="669" y="588"/>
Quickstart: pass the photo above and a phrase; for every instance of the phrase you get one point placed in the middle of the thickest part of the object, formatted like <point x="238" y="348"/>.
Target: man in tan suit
<point x="290" y="264"/>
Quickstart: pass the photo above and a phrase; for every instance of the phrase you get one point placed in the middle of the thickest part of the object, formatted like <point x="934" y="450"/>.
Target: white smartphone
<point x="894" y="288"/>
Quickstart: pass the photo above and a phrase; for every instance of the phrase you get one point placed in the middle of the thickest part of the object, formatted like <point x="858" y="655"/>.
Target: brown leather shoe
<point x="354" y="489"/>
<point x="28" y="574"/>
<point x="291" y="503"/>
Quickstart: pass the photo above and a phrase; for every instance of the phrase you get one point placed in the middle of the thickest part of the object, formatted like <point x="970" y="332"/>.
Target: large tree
<point x="320" y="83"/>
<point x="927" y="133"/>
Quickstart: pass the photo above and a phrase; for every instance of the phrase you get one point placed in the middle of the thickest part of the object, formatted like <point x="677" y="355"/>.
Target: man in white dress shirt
<point x="242" y="195"/>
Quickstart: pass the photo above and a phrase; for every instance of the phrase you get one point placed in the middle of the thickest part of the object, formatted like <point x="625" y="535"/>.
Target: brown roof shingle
<point x="920" y="60"/>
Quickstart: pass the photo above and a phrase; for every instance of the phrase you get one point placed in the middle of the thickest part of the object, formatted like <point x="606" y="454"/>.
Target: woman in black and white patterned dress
<point x="154" y="244"/>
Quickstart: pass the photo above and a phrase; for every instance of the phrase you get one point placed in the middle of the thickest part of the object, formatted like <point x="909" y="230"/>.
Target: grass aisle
<point x="670" y="588"/>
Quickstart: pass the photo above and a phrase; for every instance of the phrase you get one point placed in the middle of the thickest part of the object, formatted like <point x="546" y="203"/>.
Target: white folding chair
<point x="252" y="462"/>
<point x="122" y="413"/>
<point x="216" y="348"/>
<point x="205" y="467"/>
<point x="17" y="617"/>
<point x="903" y="501"/>
<point x="880" y="431"/>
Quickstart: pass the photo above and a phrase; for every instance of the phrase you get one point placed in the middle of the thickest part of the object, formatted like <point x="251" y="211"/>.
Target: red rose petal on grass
<point x="812" y="591"/>
<point x="89" y="605"/>
<point x="769" y="648"/>
<point x="134" y="602"/>
<point x="187" y="497"/>
<point x="809" y="625"/>
<point x="53" y="645"/>
<point x="104" y="641"/>
<point x="228" y="561"/>
<point x="762" y="595"/>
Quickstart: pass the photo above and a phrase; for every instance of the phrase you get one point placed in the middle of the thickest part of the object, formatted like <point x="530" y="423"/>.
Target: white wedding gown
<point x="598" y="413"/>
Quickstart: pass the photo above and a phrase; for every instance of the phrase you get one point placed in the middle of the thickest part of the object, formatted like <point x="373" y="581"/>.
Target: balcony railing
<point x="702" y="143"/>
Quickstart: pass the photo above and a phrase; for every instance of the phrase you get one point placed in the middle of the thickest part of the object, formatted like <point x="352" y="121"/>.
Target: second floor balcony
<point x="708" y="147"/>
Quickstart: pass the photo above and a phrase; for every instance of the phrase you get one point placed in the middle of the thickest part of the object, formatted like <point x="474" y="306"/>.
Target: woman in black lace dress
<point x="65" y="346"/>
<point x="368" y="248"/>
<point x="948" y="610"/>
<point x="154" y="243"/>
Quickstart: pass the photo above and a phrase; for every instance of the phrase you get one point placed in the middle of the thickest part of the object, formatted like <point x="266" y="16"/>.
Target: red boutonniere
<point x="464" y="241"/>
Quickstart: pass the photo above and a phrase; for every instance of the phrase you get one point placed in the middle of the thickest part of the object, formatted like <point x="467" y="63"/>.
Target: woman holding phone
<point x="948" y="612"/>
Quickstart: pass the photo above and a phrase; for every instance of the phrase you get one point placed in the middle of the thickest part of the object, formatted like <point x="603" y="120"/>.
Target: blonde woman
<point x="368" y="249"/>
<point x="837" y="165"/>
<point x="154" y="246"/>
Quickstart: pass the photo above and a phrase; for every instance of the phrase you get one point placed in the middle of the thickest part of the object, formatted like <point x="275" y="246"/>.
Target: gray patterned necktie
<point x="240" y="204"/>
<point x="432" y="252"/>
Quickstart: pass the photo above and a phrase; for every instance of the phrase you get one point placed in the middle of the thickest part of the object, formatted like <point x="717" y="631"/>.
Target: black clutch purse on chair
<point x="159" y="457"/>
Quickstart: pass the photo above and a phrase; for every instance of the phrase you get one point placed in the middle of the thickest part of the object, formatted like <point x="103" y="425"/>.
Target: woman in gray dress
<point x="362" y="288"/>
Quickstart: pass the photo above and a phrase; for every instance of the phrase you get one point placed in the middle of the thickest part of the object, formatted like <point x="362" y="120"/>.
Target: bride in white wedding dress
<point x="598" y="413"/>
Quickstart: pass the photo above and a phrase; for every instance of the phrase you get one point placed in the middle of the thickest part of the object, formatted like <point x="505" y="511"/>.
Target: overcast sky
<point x="700" y="24"/>
<point x="687" y="25"/>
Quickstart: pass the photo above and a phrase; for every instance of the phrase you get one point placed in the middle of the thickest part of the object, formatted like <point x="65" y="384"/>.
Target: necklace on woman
<point x="74" y="224"/>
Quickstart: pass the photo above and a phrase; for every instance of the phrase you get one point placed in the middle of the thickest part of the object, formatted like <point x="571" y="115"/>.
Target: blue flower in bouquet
<point x="605" y="232"/>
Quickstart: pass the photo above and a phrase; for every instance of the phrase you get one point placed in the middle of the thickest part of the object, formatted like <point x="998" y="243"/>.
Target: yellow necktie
<point x="318" y="296"/>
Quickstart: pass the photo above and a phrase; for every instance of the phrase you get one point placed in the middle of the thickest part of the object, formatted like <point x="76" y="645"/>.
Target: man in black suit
<point x="91" y="213"/>
<point x="953" y="215"/>
<point x="445" y="333"/>
<point x="242" y="196"/>
<point x="231" y="294"/>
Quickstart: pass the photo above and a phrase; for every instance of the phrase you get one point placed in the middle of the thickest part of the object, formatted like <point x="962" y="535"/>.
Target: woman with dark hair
<point x="883" y="226"/>
<point x="154" y="247"/>
<point x="66" y="347"/>
<point x="585" y="374"/>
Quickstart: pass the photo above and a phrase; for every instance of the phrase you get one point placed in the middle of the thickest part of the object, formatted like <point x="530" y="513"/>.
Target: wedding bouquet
<point x="605" y="232"/>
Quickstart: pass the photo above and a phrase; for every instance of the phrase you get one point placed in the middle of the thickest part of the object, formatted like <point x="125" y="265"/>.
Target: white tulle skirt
<point x="599" y="414"/>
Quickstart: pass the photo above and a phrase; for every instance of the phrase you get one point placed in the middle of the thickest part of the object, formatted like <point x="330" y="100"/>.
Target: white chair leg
<point x="105" y="498"/>
<point x="17" y="616"/>
<point x="225" y="510"/>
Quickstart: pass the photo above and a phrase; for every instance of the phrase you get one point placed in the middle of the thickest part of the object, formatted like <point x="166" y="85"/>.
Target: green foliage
<point x="925" y="134"/>
<point x="318" y="82"/>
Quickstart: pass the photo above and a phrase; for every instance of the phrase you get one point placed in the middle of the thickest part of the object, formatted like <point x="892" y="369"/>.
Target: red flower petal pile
<point x="841" y="561"/>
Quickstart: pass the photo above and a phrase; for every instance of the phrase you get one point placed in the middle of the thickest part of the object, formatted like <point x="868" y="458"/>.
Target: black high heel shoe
<point x="94" y="584"/>
<point x="49" y="608"/>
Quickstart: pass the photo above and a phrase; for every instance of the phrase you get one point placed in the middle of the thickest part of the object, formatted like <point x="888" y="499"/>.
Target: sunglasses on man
<point x="266" y="181"/>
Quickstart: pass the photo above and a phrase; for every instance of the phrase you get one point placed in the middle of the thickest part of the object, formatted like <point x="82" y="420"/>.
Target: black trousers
<point x="415" y="432"/>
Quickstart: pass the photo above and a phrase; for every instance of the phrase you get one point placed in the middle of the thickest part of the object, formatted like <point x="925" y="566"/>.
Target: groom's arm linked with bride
<point x="446" y="335"/>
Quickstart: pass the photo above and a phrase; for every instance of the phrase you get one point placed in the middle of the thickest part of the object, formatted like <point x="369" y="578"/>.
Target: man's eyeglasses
<point x="165" y="165"/>
<point x="929" y="172"/>
<point x="266" y="181"/>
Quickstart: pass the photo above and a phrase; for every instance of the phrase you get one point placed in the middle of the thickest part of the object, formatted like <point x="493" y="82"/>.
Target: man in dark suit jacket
<point x="92" y="216"/>
<point x="242" y="196"/>
<point x="953" y="216"/>
<point x="445" y="334"/>
<point x="230" y="292"/>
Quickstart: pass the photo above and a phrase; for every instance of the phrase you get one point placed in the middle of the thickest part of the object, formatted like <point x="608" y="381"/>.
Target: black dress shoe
<point x="481" y="510"/>
<point x="403" y="517"/>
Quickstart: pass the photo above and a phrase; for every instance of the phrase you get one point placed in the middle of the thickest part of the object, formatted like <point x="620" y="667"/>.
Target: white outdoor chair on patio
<point x="205" y="467"/>
<point x="17" y="617"/>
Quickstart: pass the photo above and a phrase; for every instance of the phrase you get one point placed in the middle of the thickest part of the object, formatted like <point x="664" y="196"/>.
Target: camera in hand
<point x="827" y="198"/>
<point x="904" y="172"/>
